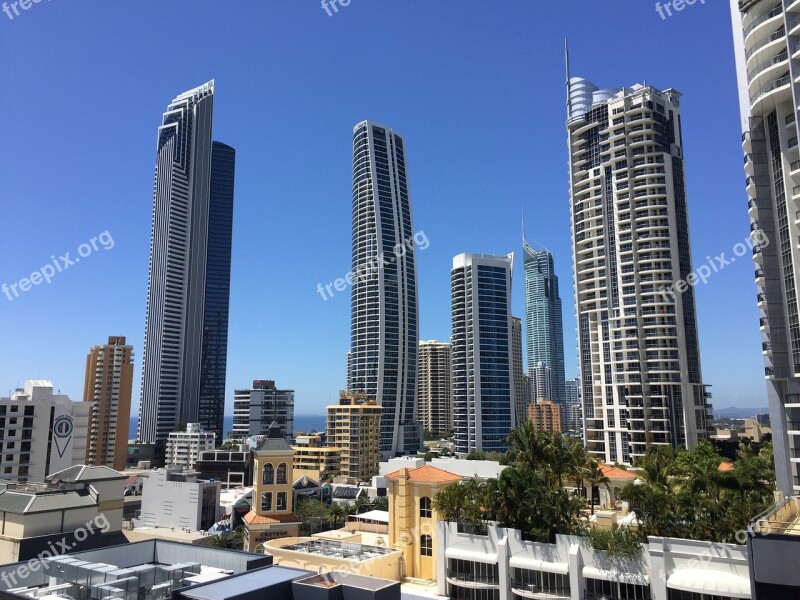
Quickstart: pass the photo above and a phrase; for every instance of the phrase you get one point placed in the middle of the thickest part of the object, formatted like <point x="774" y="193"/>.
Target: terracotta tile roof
<point x="616" y="472"/>
<point x="425" y="474"/>
<point x="252" y="518"/>
<point x="726" y="466"/>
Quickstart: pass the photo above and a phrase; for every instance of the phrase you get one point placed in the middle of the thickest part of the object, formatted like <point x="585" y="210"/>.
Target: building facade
<point x="108" y="385"/>
<point x="256" y="408"/>
<point x="272" y="511"/>
<point x="573" y="409"/>
<point x="484" y="406"/>
<point x="184" y="447"/>
<point x="435" y="397"/>
<point x="41" y="432"/>
<point x="171" y="498"/>
<point x="185" y="347"/>
<point x="545" y="416"/>
<point x="353" y="427"/>
<point x="541" y="381"/>
<point x="639" y="354"/>
<point x="384" y="311"/>
<point x="768" y="97"/>
<point x="543" y="327"/>
<point x="232" y="468"/>
<point x="314" y="459"/>
<point x="521" y="389"/>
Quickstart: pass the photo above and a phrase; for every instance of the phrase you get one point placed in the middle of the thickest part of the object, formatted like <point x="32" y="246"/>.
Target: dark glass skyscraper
<point x="185" y="348"/>
<point x="543" y="330"/>
<point x="384" y="328"/>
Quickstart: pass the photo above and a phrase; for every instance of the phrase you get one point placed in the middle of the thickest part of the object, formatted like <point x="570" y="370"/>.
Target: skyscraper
<point x="542" y="380"/>
<point x="484" y="408"/>
<point x="435" y="395"/>
<point x="639" y="353"/>
<point x="257" y="408"/>
<point x="384" y="327"/>
<point x="108" y="385"/>
<point x="185" y="348"/>
<point x="543" y="328"/>
<point x="520" y="396"/>
<point x="768" y="100"/>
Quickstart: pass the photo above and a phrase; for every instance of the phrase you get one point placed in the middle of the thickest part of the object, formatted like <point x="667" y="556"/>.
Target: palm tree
<point x="527" y="447"/>
<point x="338" y="513"/>
<point x="594" y="476"/>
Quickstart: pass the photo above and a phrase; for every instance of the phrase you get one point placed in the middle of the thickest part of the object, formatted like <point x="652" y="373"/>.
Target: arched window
<point x="281" y="474"/>
<point x="425" y="507"/>
<point x="267" y="477"/>
<point x="425" y="545"/>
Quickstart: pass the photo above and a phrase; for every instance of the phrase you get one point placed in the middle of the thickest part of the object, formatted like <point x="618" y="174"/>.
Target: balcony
<point x="556" y="593"/>
<point x="770" y="87"/>
<point x="467" y="577"/>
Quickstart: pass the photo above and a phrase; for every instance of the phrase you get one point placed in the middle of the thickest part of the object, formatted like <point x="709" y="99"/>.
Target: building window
<point x="267" y="477"/>
<point x="281" y="474"/>
<point x="281" y="503"/>
<point x="266" y="501"/>
<point x="425" y="507"/>
<point x="426" y="545"/>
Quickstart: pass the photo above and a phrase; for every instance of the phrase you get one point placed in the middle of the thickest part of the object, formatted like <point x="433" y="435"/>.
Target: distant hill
<point x="735" y="412"/>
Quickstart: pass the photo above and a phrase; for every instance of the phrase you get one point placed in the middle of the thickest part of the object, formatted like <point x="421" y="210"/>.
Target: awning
<point x="381" y="516"/>
<point x="534" y="564"/>
<point x="618" y="576"/>
<point x="708" y="581"/>
<point x="471" y="555"/>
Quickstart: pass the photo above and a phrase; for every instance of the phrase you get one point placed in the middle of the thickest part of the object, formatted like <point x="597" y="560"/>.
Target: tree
<point x="338" y="513"/>
<point x="312" y="512"/>
<point x="595" y="477"/>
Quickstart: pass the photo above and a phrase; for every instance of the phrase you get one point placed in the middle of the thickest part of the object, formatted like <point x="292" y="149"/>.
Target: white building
<point x="256" y="408"/>
<point x="637" y="327"/>
<point x="184" y="447"/>
<point x="41" y="432"/>
<point x="501" y="566"/>
<point x="179" y="500"/>
<point x="765" y="43"/>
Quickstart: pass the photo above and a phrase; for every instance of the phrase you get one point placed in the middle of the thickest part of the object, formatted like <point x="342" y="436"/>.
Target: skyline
<point x="283" y="330"/>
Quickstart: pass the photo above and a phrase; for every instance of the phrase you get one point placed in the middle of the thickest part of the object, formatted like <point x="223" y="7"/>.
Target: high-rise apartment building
<point x="638" y="347"/>
<point x="573" y="391"/>
<point x="484" y="407"/>
<point x="256" y="408"/>
<point x="43" y="432"/>
<point x="108" y="385"/>
<point x="573" y="410"/>
<point x="521" y="399"/>
<point x="185" y="348"/>
<point x="542" y="381"/>
<point x="545" y="415"/>
<point x="435" y="397"/>
<point x="353" y="427"/>
<point x="765" y="42"/>
<point x="543" y="326"/>
<point x="185" y="447"/>
<point x="384" y="311"/>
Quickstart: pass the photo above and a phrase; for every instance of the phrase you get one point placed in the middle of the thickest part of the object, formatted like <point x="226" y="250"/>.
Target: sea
<point x="302" y="424"/>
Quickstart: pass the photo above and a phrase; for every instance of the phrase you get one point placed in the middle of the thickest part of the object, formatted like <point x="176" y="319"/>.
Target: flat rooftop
<point x="339" y="549"/>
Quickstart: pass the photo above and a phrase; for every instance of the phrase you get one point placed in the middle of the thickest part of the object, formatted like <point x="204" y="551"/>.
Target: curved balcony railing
<point x="472" y="577"/>
<point x="773" y="85"/>
<point x="766" y="17"/>
<point x="554" y="592"/>
<point x="764" y="41"/>
<point x="767" y="64"/>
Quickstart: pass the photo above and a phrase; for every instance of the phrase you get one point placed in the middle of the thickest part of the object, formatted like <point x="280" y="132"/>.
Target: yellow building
<point x="412" y="518"/>
<point x="314" y="460"/>
<point x="354" y="428"/>
<point x="545" y="416"/>
<point x="271" y="515"/>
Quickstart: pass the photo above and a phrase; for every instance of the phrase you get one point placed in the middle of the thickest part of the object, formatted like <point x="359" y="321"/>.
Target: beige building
<point x="434" y="396"/>
<point x="545" y="416"/>
<point x="412" y="518"/>
<point x="314" y="459"/>
<point x="272" y="515"/>
<point x="108" y="384"/>
<point x="354" y="427"/>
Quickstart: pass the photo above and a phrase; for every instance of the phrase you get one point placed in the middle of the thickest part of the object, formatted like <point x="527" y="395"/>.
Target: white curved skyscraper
<point x="384" y="327"/>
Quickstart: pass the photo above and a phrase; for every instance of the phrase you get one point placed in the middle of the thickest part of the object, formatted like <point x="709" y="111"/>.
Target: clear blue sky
<point x="477" y="88"/>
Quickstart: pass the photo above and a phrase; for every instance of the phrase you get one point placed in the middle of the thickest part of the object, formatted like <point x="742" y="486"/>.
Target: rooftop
<point x="338" y="549"/>
<point x="616" y="472"/>
<point x="86" y="473"/>
<point x="425" y="474"/>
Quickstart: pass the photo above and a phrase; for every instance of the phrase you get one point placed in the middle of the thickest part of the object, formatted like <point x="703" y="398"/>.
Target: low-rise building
<point x="773" y="539"/>
<point x="41" y="432"/>
<point x="173" y="498"/>
<point x="184" y="447"/>
<point x="78" y="508"/>
<point x="314" y="459"/>
<point x="232" y="468"/>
